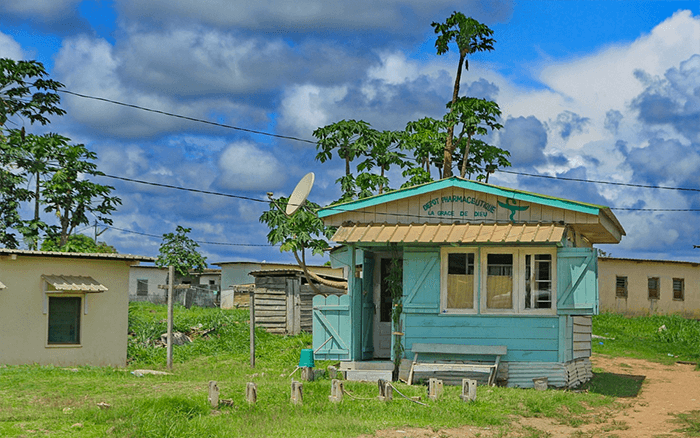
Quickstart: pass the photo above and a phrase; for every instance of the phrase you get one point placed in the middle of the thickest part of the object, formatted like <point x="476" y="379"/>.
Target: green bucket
<point x="306" y="358"/>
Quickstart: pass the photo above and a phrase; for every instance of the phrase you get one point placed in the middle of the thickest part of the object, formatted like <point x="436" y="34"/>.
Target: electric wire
<point x="192" y="119"/>
<point x="196" y="241"/>
<point x="286" y="137"/>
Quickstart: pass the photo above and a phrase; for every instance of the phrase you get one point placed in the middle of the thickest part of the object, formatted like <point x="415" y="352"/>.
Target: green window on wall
<point x="64" y="320"/>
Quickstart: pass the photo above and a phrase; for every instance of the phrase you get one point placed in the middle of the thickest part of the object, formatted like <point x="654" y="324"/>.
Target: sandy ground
<point x="667" y="390"/>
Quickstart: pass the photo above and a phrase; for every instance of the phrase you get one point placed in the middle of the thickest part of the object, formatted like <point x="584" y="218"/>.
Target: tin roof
<point x="450" y="233"/>
<point x="74" y="283"/>
<point x="86" y="255"/>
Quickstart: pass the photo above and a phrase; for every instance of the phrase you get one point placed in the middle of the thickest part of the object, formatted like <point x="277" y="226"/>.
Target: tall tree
<point x="25" y="94"/>
<point x="297" y="233"/>
<point x="471" y="37"/>
<point x="180" y="251"/>
<point x="476" y="116"/>
<point x="70" y="195"/>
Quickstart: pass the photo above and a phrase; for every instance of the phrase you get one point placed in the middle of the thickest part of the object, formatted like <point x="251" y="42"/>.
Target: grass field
<point x="63" y="402"/>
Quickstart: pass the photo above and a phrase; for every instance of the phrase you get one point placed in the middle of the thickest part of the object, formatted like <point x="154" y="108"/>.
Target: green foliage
<point x="60" y="170"/>
<point x="645" y="337"/>
<point x="302" y="230"/>
<point x="351" y="140"/>
<point x="469" y="35"/>
<point x="77" y="243"/>
<point x="26" y="92"/>
<point x="180" y="251"/>
<point x="475" y="115"/>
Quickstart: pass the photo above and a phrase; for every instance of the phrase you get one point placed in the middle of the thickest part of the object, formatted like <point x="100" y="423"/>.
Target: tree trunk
<point x="449" y="143"/>
<point x="466" y="156"/>
<point x="310" y="275"/>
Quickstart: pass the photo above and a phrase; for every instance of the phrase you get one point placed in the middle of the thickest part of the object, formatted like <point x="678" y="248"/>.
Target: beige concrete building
<point x="643" y="287"/>
<point x="65" y="309"/>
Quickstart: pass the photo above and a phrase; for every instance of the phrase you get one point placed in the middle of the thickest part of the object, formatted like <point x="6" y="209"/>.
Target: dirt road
<point x="667" y="390"/>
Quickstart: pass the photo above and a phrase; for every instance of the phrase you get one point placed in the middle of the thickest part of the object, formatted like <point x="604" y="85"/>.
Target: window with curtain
<point x="499" y="281"/>
<point x="460" y="280"/>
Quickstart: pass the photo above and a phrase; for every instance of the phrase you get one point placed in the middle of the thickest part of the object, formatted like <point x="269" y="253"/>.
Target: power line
<point x="286" y="137"/>
<point x="192" y="119"/>
<point x="600" y="182"/>
<point x="186" y="189"/>
<point x="247" y="198"/>
<point x="197" y="241"/>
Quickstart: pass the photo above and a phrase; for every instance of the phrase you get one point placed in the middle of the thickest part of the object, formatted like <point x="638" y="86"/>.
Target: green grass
<point x="641" y="338"/>
<point x="614" y="385"/>
<point x="61" y="402"/>
<point x="690" y="423"/>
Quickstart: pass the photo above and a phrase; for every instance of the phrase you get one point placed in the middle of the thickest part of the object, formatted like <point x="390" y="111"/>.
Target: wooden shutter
<point x="577" y="281"/>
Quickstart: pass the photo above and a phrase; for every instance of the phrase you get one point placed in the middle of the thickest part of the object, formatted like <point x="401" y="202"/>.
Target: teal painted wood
<point x="367" y="306"/>
<point x="527" y="338"/>
<point x="496" y="350"/>
<point x="465" y="184"/>
<point x="421" y="281"/>
<point x="331" y="327"/>
<point x="340" y="258"/>
<point x="577" y="281"/>
<point x="355" y="293"/>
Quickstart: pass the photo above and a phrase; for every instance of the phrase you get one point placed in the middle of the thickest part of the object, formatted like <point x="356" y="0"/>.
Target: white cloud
<point x="606" y="79"/>
<point x="312" y="15"/>
<point x="243" y="166"/>
<point x="307" y="107"/>
<point x="100" y="74"/>
<point x="43" y="8"/>
<point x="9" y="48"/>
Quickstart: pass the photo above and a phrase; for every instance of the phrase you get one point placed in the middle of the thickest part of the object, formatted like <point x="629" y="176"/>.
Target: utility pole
<point x="98" y="233"/>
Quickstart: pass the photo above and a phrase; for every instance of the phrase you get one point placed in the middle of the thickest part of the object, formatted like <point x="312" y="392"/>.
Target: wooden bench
<point x="461" y="350"/>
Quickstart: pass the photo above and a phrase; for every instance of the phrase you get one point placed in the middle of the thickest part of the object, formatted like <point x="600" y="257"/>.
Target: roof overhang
<point x="74" y="283"/>
<point x="450" y="233"/>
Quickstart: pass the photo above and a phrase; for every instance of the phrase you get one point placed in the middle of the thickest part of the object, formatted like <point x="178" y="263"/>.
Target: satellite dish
<point x="301" y="191"/>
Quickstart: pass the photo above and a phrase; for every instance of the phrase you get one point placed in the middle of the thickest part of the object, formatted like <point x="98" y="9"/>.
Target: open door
<point x="382" y="305"/>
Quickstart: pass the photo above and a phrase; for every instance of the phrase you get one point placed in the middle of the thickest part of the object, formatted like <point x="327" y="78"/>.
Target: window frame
<point x="519" y="280"/>
<point x="658" y="288"/>
<point x="444" y="254"/>
<point x="81" y="312"/>
<point x="524" y="252"/>
<point x="138" y="281"/>
<point x="625" y="287"/>
<point x="682" y="289"/>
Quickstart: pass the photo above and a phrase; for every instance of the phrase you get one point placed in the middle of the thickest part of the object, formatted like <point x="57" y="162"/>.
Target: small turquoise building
<point x="481" y="265"/>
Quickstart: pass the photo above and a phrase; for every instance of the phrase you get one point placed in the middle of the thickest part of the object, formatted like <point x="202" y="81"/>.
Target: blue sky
<point x="595" y="90"/>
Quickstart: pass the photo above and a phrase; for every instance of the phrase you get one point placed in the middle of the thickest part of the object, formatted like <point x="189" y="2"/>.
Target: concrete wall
<point x="24" y="325"/>
<point x="638" y="272"/>
<point x="156" y="276"/>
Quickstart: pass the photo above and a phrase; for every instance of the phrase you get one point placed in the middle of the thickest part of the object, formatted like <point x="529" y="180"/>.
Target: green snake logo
<point x="510" y="205"/>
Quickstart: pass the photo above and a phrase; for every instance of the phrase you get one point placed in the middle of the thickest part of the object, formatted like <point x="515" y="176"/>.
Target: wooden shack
<point x="283" y="300"/>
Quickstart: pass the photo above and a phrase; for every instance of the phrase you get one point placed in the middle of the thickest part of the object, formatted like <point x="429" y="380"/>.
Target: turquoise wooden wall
<point x="529" y="338"/>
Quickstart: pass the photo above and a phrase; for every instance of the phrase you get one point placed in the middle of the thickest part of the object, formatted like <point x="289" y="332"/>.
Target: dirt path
<point x="667" y="390"/>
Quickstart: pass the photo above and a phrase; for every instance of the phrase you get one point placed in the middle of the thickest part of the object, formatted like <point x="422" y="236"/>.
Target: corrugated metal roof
<point x="450" y="233"/>
<point x="86" y="255"/>
<point x="78" y="283"/>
